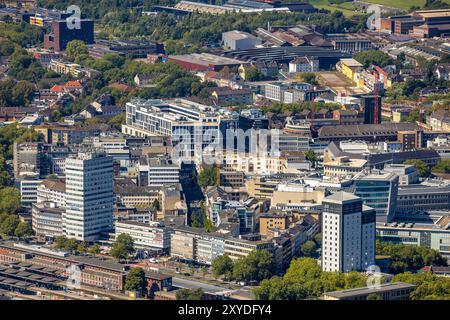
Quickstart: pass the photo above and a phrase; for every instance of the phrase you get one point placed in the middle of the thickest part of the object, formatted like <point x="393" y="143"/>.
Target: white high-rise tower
<point x="348" y="233"/>
<point x="89" y="196"/>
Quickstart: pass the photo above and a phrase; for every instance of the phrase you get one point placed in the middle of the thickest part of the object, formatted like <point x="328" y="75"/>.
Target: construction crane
<point x="376" y="95"/>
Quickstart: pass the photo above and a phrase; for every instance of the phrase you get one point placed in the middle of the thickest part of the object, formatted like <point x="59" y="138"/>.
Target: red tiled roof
<point x="73" y="84"/>
<point x="57" y="88"/>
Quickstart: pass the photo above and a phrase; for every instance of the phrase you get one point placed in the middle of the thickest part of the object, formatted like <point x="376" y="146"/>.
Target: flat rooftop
<point x="206" y="59"/>
<point x="238" y="35"/>
<point x="341" y="196"/>
<point x="366" y="291"/>
<point x="351" y="63"/>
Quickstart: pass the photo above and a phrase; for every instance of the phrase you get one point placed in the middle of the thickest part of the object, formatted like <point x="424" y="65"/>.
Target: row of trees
<point x="408" y="257"/>
<point x="428" y="285"/>
<point x="442" y="167"/>
<point x="256" y="266"/>
<point x="10" y="224"/>
<point x="75" y="246"/>
<point x="202" y="221"/>
<point x="304" y="279"/>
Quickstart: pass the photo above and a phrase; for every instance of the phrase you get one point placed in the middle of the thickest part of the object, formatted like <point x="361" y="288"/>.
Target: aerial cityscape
<point x="232" y="150"/>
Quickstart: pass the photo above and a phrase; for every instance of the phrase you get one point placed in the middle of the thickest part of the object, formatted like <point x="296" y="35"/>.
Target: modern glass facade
<point x="379" y="193"/>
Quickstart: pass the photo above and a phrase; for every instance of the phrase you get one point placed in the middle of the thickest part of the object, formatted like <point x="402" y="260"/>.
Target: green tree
<point x="23" y="230"/>
<point x="376" y="57"/>
<point x="443" y="166"/>
<point x="60" y="242"/>
<point x="195" y="221"/>
<point x="256" y="266"/>
<point x="309" y="77"/>
<point x="311" y="156"/>
<point x="422" y="167"/>
<point x="252" y="74"/>
<point x="123" y="247"/>
<point x="82" y="247"/>
<point x="190" y="294"/>
<point x="208" y="177"/>
<point x="71" y="245"/>
<point x="76" y="49"/>
<point x="135" y="280"/>
<point x="222" y="265"/>
<point x="22" y="93"/>
<point x="309" y="248"/>
<point x="408" y="257"/>
<point x="373" y="296"/>
<point x="304" y="279"/>
<point x="117" y="121"/>
<point x="428" y="285"/>
<point x="9" y="225"/>
<point x="9" y="200"/>
<point x="206" y="222"/>
<point x="94" y="249"/>
<point x="318" y="239"/>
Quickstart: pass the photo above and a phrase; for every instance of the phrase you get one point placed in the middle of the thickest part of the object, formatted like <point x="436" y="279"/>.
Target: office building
<point x="194" y="244"/>
<point x="46" y="219"/>
<point x="157" y="172"/>
<point x="29" y="191"/>
<point x="241" y="247"/>
<point x="225" y="96"/>
<point x="284" y="54"/>
<point x="419" y="197"/>
<point x="28" y="159"/>
<point x="89" y="196"/>
<point x="62" y="34"/>
<point x="292" y="92"/>
<point x="348" y="233"/>
<point x="410" y="140"/>
<point x="152" y="236"/>
<point x="191" y="126"/>
<point x="406" y="173"/>
<point x="344" y="166"/>
<point x="429" y="230"/>
<point x="378" y="191"/>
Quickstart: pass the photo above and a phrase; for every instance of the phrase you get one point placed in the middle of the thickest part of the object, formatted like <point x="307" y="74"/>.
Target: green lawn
<point x="402" y="4"/>
<point x="348" y="8"/>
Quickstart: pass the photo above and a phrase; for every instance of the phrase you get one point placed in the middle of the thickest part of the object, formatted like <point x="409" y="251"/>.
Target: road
<point x="191" y="284"/>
